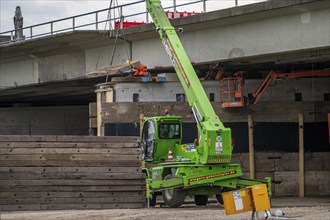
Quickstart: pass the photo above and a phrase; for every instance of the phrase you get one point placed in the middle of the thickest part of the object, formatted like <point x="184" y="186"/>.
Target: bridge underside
<point x="81" y="91"/>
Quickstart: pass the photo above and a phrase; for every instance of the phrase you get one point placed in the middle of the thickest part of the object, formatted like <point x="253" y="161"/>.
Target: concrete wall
<point x="99" y="57"/>
<point x="68" y="120"/>
<point x="312" y="89"/>
<point x="16" y="73"/>
<point x="62" y="66"/>
<point x="45" y="68"/>
<point x="277" y="34"/>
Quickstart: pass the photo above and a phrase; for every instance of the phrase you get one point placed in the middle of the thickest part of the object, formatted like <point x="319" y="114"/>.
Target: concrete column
<point x="251" y="147"/>
<point x="100" y="130"/>
<point x="104" y="94"/>
<point x="301" y="156"/>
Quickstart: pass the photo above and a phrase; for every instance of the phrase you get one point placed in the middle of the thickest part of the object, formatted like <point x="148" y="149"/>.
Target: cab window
<point x="169" y="131"/>
<point x="151" y="130"/>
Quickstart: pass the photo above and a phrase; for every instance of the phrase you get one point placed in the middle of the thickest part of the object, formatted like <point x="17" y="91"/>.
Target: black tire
<point x="201" y="200"/>
<point x="173" y="198"/>
<point x="219" y="198"/>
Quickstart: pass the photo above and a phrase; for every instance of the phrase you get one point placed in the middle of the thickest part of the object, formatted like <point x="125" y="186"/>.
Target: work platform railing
<point x="104" y="17"/>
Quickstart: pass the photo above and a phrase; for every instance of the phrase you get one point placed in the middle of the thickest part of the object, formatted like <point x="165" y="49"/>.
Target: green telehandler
<point x="199" y="169"/>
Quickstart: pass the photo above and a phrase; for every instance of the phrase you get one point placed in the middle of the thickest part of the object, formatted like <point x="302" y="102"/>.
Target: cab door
<point x="148" y="140"/>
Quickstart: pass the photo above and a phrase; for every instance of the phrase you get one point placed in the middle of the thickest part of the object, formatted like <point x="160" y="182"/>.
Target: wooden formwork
<point x="70" y="172"/>
<point x="283" y="168"/>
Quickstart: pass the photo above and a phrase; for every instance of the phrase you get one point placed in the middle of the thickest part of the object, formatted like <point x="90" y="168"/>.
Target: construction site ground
<point x="300" y="208"/>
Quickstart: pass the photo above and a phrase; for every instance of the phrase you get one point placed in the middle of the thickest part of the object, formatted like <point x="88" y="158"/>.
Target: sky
<point x="37" y="11"/>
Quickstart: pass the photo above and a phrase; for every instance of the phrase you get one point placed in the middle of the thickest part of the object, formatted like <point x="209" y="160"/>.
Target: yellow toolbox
<point x="252" y="198"/>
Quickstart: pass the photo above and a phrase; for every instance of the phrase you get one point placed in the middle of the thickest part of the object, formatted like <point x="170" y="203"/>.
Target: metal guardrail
<point x="103" y="16"/>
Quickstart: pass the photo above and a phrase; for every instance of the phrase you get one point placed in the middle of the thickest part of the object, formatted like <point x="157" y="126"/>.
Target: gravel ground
<point x="302" y="209"/>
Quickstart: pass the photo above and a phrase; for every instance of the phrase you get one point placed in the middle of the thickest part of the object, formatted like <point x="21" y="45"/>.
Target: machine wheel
<point x="173" y="198"/>
<point x="201" y="200"/>
<point x="219" y="198"/>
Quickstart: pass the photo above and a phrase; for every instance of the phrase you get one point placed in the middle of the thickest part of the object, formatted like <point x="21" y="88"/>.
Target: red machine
<point x="177" y="14"/>
<point x="232" y="92"/>
<point x="127" y="24"/>
<point x="169" y="15"/>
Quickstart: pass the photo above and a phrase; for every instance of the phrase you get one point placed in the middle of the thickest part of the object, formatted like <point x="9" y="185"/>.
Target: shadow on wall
<point x="268" y="136"/>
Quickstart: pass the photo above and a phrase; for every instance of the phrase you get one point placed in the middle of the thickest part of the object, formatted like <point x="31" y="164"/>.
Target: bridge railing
<point x="90" y="21"/>
<point x="95" y="19"/>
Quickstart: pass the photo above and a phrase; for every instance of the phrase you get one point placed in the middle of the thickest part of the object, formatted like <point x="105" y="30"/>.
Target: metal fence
<point x="95" y="19"/>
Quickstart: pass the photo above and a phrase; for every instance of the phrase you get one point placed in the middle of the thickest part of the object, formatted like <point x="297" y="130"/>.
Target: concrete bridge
<point x="280" y="35"/>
